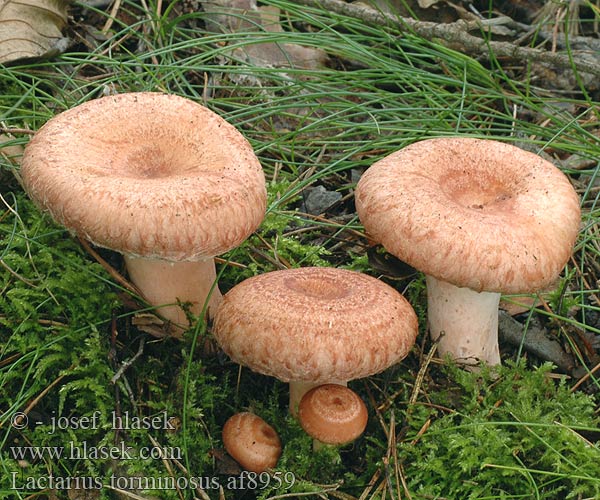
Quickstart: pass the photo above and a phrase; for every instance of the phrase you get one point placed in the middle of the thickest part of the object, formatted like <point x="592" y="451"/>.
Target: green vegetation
<point x="522" y="435"/>
<point x="65" y="323"/>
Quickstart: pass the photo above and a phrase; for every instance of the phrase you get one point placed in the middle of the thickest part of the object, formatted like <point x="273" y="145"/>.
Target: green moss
<point x="521" y="435"/>
<point x="56" y="306"/>
<point x="503" y="437"/>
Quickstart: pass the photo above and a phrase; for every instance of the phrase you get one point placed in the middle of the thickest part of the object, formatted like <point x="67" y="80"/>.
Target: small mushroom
<point x="479" y="218"/>
<point x="332" y="414"/>
<point x="251" y="442"/>
<point x="315" y="325"/>
<point x="157" y="177"/>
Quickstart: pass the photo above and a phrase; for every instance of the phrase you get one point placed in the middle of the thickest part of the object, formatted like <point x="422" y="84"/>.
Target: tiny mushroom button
<point x="159" y="178"/>
<point x="252" y="442"/>
<point x="315" y="325"/>
<point x="479" y="218"/>
<point x="332" y="414"/>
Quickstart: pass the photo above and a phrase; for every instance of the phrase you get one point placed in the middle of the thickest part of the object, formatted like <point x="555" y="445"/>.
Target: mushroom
<point x="251" y="442"/>
<point x="312" y="326"/>
<point x="332" y="414"/>
<point x="159" y="178"/>
<point x="479" y="218"/>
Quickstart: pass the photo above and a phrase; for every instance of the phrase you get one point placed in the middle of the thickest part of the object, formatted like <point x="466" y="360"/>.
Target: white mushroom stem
<point x="299" y="389"/>
<point x="464" y="322"/>
<point x="163" y="282"/>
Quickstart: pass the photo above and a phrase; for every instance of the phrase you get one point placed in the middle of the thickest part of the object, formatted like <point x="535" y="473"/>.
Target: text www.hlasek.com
<point x="82" y="451"/>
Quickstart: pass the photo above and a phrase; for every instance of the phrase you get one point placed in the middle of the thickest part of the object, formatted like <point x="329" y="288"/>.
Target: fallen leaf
<point x="242" y="16"/>
<point x="231" y="15"/>
<point x="225" y="465"/>
<point x="425" y="4"/>
<point x="153" y="325"/>
<point x="9" y="153"/>
<point x="31" y="28"/>
<point x="519" y="305"/>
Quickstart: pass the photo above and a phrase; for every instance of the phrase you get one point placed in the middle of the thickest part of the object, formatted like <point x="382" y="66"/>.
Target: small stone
<point x="319" y="199"/>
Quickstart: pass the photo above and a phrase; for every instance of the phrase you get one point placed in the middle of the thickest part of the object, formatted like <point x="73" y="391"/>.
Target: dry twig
<point x="456" y="34"/>
<point x="534" y="340"/>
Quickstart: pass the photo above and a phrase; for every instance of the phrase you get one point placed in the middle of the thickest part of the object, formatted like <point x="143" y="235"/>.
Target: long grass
<point x="64" y="331"/>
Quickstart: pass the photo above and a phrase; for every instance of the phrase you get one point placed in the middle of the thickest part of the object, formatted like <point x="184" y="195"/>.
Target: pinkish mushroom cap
<point x="252" y="442"/>
<point x="333" y="414"/>
<point x="157" y="177"/>
<point x="476" y="215"/>
<point x="315" y="325"/>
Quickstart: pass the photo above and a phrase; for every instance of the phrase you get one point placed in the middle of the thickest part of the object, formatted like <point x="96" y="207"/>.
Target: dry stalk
<point x="456" y="35"/>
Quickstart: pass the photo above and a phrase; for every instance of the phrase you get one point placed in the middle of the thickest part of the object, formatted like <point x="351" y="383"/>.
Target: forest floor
<point x="322" y="90"/>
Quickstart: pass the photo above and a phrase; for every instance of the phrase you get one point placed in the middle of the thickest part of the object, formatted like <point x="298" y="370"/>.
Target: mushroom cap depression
<point x="476" y="213"/>
<point x="147" y="174"/>
<point x="333" y="414"/>
<point x="315" y="325"/>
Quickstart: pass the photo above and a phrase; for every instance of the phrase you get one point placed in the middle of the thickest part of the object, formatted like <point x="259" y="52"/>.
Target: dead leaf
<point x="225" y="465"/>
<point x="153" y="325"/>
<point x="519" y="305"/>
<point x="425" y="4"/>
<point x="31" y="28"/>
<point x="239" y="16"/>
<point x="10" y="152"/>
<point x="231" y="15"/>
